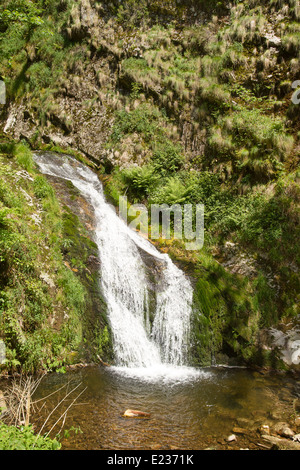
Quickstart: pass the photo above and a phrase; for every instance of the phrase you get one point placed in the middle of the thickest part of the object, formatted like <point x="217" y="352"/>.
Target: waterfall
<point x="138" y="344"/>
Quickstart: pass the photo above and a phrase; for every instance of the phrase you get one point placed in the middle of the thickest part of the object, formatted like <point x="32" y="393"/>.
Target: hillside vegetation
<point x="176" y="102"/>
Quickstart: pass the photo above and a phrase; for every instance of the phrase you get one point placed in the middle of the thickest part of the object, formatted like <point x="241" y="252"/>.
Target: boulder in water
<point x="135" y="414"/>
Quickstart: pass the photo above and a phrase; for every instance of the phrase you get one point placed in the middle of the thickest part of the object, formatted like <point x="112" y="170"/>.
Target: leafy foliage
<point x="140" y="180"/>
<point x="20" y="11"/>
<point x="167" y="157"/>
<point x="37" y="288"/>
<point x="23" y="438"/>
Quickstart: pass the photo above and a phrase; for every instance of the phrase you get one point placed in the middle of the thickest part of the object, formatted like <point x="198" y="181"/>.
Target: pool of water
<point x="195" y="410"/>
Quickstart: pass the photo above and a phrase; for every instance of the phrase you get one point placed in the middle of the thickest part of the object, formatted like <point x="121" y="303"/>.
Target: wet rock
<point x="135" y="414"/>
<point x="237" y="261"/>
<point x="246" y="423"/>
<point x="238" y="430"/>
<point x="264" y="429"/>
<point x="275" y="415"/>
<point x="281" y="444"/>
<point x="288" y="343"/>
<point x="297" y="421"/>
<point x="94" y="261"/>
<point x="231" y="438"/>
<point x="284" y="430"/>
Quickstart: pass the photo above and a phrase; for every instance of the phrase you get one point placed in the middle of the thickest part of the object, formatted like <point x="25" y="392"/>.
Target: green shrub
<point x="167" y="157"/>
<point x="29" y="251"/>
<point x="132" y="12"/>
<point x="42" y="189"/>
<point x="137" y="69"/>
<point x="73" y="290"/>
<point x="256" y="144"/>
<point x="23" y="438"/>
<point x="144" y="120"/>
<point x="291" y="40"/>
<point x="140" y="180"/>
<point x="209" y="320"/>
<point x="39" y="76"/>
<point x="7" y="147"/>
<point x="214" y="93"/>
<point x="173" y="192"/>
<point x="13" y="41"/>
<point x="47" y="42"/>
<point x="268" y="132"/>
<point x="24" y="156"/>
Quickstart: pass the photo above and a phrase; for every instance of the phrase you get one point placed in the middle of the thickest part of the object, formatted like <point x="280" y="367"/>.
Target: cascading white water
<point x="137" y="346"/>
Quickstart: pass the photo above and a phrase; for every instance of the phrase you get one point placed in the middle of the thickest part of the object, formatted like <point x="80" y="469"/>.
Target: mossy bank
<point x="52" y="312"/>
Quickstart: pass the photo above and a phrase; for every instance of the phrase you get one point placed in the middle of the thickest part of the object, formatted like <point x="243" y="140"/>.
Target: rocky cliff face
<point x="111" y="47"/>
<point x="93" y="88"/>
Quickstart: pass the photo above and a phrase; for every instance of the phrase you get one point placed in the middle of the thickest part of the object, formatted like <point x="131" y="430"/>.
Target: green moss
<point x="45" y="306"/>
<point x="228" y="313"/>
<point x="208" y="322"/>
<point x="24" y="156"/>
<point x="93" y="329"/>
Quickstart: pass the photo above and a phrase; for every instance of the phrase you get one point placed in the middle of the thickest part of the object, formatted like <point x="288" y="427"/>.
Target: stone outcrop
<point x="135" y="414"/>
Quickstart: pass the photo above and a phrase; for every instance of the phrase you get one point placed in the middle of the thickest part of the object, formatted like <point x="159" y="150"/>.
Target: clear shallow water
<point x="196" y="412"/>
